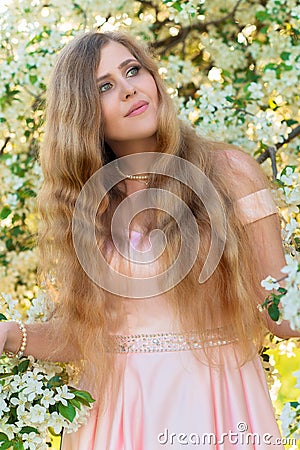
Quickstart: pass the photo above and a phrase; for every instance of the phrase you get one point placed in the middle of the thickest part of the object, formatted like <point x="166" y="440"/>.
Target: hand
<point x="4" y="326"/>
<point x="9" y="336"/>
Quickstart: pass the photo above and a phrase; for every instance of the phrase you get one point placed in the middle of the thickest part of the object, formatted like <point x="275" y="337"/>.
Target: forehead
<point x="112" y="55"/>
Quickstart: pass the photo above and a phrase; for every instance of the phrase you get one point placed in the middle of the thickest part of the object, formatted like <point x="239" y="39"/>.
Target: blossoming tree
<point x="233" y="67"/>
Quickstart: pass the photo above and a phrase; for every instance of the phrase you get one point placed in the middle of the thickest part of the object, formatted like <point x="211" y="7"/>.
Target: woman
<point x="172" y="361"/>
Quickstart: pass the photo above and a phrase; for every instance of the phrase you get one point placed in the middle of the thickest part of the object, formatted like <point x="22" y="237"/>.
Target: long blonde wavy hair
<point x="73" y="149"/>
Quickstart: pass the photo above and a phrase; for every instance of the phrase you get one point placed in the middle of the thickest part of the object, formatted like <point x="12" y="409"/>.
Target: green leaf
<point x="18" y="445"/>
<point x="5" y="212"/>
<point x="84" y="402"/>
<point x="177" y="6"/>
<point x="2" y="317"/>
<point x="6" y="445"/>
<point x="6" y="375"/>
<point x="3" y="437"/>
<point x="291" y="122"/>
<point x="285" y="55"/>
<point x="264" y="30"/>
<point x="14" y="370"/>
<point x="83" y="395"/>
<point x="29" y="430"/>
<point x="33" y="79"/>
<point x="265" y="303"/>
<point x="226" y="73"/>
<point x="76" y="403"/>
<point x="16" y="231"/>
<point x="286" y="67"/>
<point x="68" y="412"/>
<point x="294" y="404"/>
<point x="53" y="408"/>
<point x="55" y="382"/>
<point x="23" y="366"/>
<point x="9" y="244"/>
<point x="274" y="312"/>
<point x="245" y="88"/>
<point x="282" y="290"/>
<point x="270" y="66"/>
<point x="13" y="414"/>
<point x="262" y="15"/>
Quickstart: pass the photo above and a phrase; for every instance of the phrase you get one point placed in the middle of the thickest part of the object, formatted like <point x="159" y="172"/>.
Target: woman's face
<point x="129" y="101"/>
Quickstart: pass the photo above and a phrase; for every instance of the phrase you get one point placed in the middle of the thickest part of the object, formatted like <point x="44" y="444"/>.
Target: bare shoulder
<point x="243" y="173"/>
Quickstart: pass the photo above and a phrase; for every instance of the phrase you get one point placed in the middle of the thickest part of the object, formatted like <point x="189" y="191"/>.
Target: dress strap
<point x="255" y="206"/>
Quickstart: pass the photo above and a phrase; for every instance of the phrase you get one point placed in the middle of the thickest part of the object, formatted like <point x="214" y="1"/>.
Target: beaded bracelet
<point x="20" y="352"/>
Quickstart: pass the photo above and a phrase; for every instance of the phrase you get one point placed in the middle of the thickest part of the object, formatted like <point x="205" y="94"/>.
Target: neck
<point x="130" y="148"/>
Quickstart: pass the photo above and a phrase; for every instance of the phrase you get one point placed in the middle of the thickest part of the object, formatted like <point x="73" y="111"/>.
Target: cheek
<point x="107" y="117"/>
<point x="105" y="111"/>
<point x="154" y="92"/>
<point x="149" y="87"/>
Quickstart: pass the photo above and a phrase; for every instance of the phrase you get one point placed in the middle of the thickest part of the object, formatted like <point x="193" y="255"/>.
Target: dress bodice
<point x="153" y="313"/>
<point x="144" y="314"/>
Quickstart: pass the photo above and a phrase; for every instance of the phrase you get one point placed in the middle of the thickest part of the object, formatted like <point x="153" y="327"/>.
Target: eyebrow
<point x="123" y="64"/>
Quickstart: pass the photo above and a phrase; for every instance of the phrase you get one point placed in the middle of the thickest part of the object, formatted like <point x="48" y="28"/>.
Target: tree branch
<point x="272" y="152"/>
<point x="171" y="41"/>
<point x="147" y="3"/>
<point x="273" y="149"/>
<point x="6" y="141"/>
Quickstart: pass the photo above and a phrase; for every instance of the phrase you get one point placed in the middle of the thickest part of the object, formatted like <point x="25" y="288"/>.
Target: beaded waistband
<point x="166" y="342"/>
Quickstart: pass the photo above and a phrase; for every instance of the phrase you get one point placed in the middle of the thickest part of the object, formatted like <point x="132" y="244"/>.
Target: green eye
<point x="133" y="71"/>
<point x="105" y="87"/>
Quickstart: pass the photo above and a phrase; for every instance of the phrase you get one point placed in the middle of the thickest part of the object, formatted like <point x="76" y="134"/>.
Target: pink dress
<point x="168" y="399"/>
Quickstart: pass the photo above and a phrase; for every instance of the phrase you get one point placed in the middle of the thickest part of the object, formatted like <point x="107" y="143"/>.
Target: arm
<point x="246" y="177"/>
<point x="43" y="341"/>
<point x="269" y="255"/>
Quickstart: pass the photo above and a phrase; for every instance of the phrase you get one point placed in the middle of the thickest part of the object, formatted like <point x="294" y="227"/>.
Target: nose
<point x="127" y="90"/>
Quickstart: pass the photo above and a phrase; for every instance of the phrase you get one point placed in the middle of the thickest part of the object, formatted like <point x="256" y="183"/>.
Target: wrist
<point x="14" y="338"/>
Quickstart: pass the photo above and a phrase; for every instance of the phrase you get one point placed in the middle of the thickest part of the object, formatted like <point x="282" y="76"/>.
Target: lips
<point x="137" y="108"/>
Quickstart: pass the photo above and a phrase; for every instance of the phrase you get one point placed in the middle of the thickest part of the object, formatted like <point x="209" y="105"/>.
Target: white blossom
<point x="11" y="306"/>
<point x="290" y="228"/>
<point x="9" y="430"/>
<point x="287" y="417"/>
<point x="16" y="383"/>
<point x="3" y="406"/>
<point x="38" y="414"/>
<point x="270" y="283"/>
<point x="256" y="90"/>
<point x="291" y="300"/>
<point x="291" y="268"/>
<point x="41" y="307"/>
<point x="32" y="441"/>
<point x="63" y="395"/>
<point x="297" y="376"/>
<point x="33" y="388"/>
<point x="290" y="177"/>
<point x="48" y="398"/>
<point x="291" y="307"/>
<point x="56" y="422"/>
